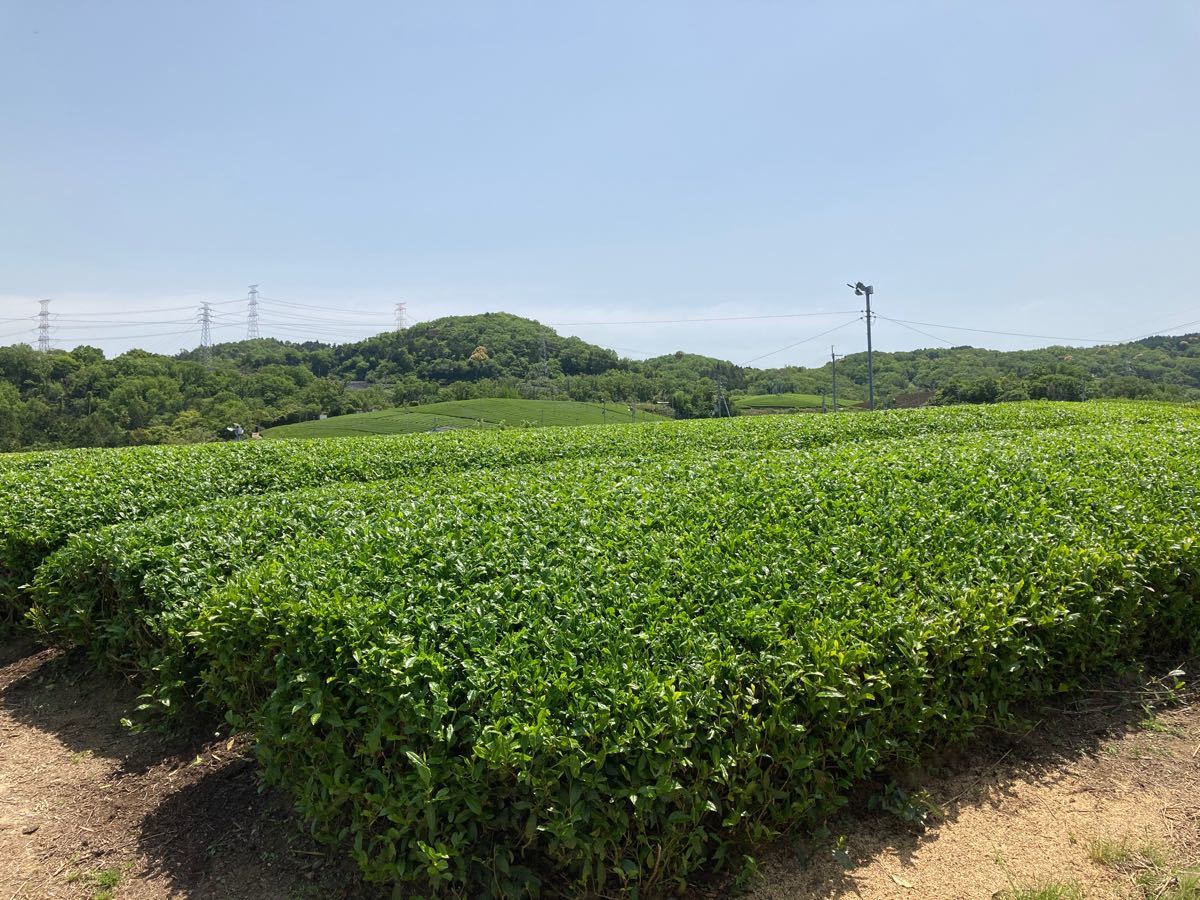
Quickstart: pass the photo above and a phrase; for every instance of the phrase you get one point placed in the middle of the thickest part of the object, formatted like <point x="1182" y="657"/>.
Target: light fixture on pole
<point x="866" y="290"/>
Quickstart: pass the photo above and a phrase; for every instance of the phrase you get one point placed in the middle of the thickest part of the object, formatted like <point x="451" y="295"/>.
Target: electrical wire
<point x="289" y="329"/>
<point x="332" y="309"/>
<point x="345" y="325"/>
<point x="358" y="334"/>
<point x="1045" y="337"/>
<point x="318" y="320"/>
<point x="917" y="330"/>
<point x="292" y="304"/>
<point x="1160" y="332"/>
<point x="274" y="315"/>
<point x="343" y="312"/>
<point x="805" y="341"/>
<point x="108" y="323"/>
<point x="67" y="339"/>
<point x="839" y="312"/>
<point x="191" y="308"/>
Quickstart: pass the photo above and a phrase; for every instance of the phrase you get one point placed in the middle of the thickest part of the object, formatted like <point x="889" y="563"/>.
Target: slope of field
<point x="598" y="660"/>
<point x="779" y="402"/>
<point x="479" y="413"/>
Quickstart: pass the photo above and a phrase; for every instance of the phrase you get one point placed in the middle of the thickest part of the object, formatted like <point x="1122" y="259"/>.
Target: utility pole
<point x="866" y="290"/>
<point x="252" y="317"/>
<point x="543" y="377"/>
<point x="833" y="358"/>
<point x="206" y="332"/>
<point x="44" y="327"/>
<point x="401" y="316"/>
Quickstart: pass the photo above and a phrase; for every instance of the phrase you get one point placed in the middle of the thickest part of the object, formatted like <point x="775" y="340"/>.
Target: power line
<point x="281" y="310"/>
<point x="1160" y="332"/>
<point x="332" y="309"/>
<point x="1044" y="337"/>
<point x="349" y="332"/>
<point x="840" y="312"/>
<point x="124" y="337"/>
<point x="163" y="308"/>
<point x="108" y="323"/>
<point x="291" y="332"/>
<point x="805" y="341"/>
<point x="916" y="330"/>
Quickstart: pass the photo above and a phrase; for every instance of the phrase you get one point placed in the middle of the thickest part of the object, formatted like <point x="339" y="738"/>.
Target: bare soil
<point x="1022" y="810"/>
<point x="91" y="809"/>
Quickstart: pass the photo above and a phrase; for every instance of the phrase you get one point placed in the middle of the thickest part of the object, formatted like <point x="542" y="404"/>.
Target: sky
<point x="1020" y="167"/>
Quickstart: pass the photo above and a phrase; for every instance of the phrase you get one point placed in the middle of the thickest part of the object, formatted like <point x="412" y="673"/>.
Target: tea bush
<point x="610" y="657"/>
<point x="51" y="496"/>
<point x="617" y="673"/>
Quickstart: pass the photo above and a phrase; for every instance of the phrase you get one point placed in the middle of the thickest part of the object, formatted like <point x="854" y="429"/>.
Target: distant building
<point x="913" y="400"/>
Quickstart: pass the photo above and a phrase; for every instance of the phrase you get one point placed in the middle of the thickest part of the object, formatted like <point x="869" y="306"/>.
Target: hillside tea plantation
<point x="609" y="658"/>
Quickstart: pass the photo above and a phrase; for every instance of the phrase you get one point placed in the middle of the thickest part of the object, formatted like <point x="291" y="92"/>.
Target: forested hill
<point x="80" y="398"/>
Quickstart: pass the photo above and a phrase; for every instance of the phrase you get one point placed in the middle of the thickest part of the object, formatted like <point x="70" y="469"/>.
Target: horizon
<point x="1011" y="172"/>
<point x="762" y="365"/>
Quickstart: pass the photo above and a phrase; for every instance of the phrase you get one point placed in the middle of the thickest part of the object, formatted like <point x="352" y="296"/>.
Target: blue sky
<point x="1017" y="166"/>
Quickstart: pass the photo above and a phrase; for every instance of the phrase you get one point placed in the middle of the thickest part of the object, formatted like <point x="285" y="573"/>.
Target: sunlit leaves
<point x="613" y="659"/>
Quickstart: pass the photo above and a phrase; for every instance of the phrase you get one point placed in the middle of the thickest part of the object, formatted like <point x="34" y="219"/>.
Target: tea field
<point x="611" y="658"/>
<point x="789" y="402"/>
<point x="451" y="414"/>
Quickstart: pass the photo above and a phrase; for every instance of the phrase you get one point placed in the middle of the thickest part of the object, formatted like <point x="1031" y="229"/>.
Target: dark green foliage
<point x="79" y="398"/>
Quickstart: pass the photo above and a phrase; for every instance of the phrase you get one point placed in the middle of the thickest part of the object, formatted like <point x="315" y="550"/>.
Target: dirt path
<point x="1100" y="786"/>
<point x="89" y="809"/>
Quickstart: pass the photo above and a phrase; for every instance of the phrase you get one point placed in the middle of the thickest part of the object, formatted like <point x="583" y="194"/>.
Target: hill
<point x="481" y="413"/>
<point x="81" y="398"/>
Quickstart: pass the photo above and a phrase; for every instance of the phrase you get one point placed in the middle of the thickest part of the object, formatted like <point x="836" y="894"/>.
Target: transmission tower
<point x="401" y="316"/>
<point x="206" y="331"/>
<point x="720" y="404"/>
<point x="44" y="327"/>
<point x="252" y="314"/>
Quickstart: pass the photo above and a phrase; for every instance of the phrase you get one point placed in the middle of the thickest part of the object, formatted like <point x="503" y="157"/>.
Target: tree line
<point x="82" y="398"/>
